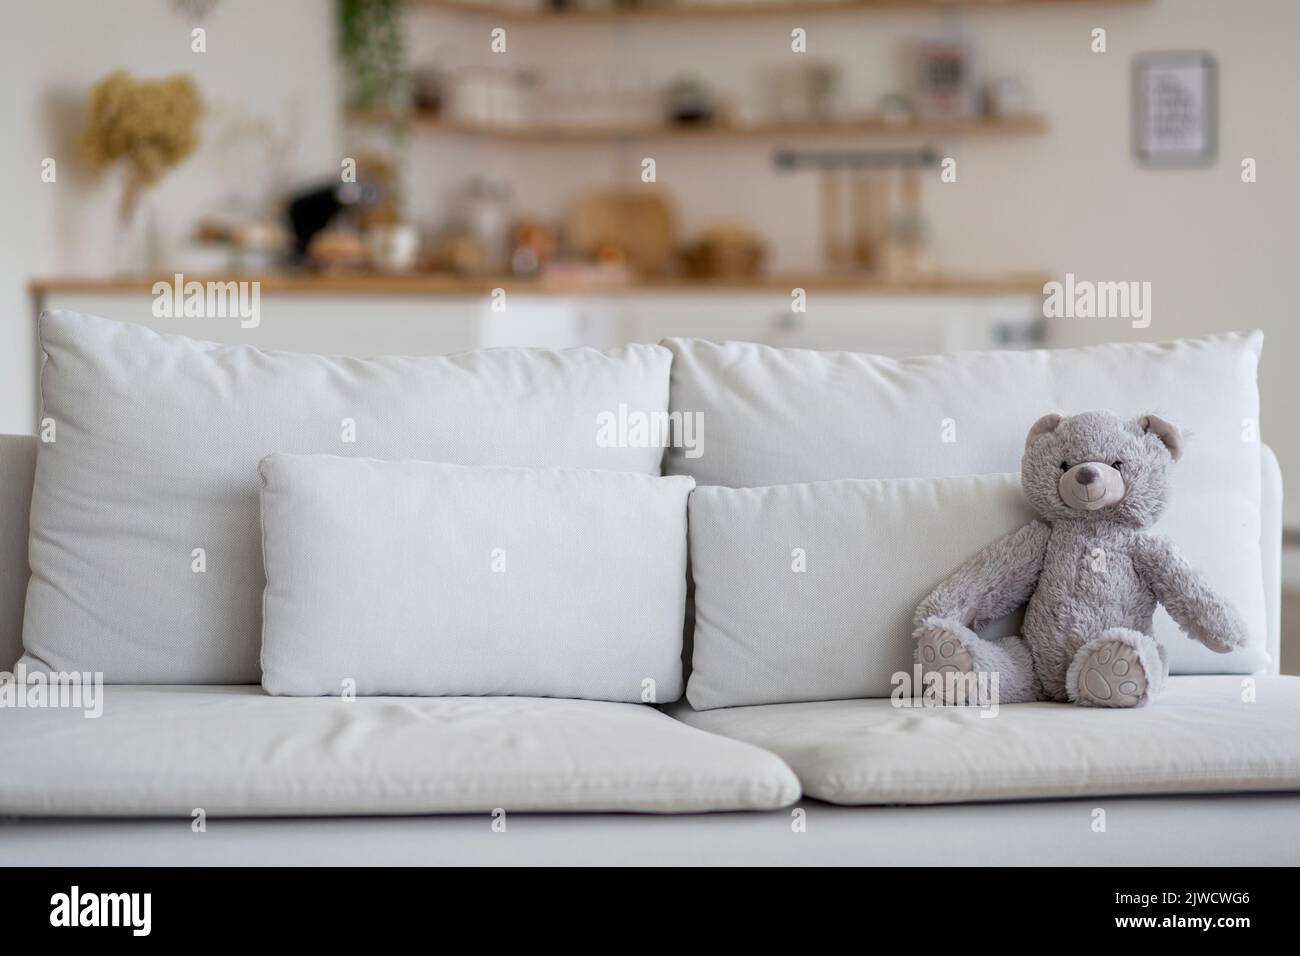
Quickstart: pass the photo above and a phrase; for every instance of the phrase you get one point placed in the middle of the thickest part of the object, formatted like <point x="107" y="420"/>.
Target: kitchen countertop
<point x="419" y="285"/>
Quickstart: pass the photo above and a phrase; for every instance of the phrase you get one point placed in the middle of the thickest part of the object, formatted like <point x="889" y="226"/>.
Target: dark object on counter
<point x="314" y="210"/>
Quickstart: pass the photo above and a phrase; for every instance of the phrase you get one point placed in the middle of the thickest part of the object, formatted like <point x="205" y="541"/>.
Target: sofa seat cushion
<point x="1205" y="734"/>
<point x="235" y="751"/>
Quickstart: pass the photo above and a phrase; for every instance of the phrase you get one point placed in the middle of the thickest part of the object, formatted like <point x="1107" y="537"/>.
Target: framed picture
<point x="944" y="86"/>
<point x="1175" y="109"/>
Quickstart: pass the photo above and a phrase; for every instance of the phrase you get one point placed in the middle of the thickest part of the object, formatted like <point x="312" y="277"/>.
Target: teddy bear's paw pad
<point x="1112" y="676"/>
<point x="943" y="653"/>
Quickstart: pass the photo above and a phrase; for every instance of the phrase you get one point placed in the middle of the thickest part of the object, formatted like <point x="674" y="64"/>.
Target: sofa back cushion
<point x="415" y="578"/>
<point x="775" y="416"/>
<point x="806" y="591"/>
<point x="145" y="544"/>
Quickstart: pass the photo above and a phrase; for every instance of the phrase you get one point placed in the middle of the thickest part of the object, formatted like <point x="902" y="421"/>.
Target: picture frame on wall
<point x="944" y="84"/>
<point x="1175" y="109"/>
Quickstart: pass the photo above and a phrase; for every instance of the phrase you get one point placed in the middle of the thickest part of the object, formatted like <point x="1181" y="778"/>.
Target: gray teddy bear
<point x="1090" y="571"/>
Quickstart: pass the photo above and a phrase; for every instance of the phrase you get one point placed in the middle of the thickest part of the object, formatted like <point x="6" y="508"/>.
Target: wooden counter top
<point x="720" y="9"/>
<point x="447" y="285"/>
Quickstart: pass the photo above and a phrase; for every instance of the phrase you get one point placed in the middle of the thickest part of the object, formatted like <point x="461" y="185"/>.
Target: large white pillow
<point x="416" y="578"/>
<point x="806" y="591"/>
<point x="145" y="546"/>
<point x="776" y="416"/>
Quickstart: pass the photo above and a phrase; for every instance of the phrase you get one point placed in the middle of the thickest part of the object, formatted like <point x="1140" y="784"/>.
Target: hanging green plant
<point x="373" y="50"/>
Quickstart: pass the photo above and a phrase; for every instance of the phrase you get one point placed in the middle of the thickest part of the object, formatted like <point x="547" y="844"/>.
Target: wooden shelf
<point x="861" y="128"/>
<point x="667" y="10"/>
<point x="371" y="284"/>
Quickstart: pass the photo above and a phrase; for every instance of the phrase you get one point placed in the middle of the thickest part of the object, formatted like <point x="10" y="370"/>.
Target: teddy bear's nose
<point x="1086" y="475"/>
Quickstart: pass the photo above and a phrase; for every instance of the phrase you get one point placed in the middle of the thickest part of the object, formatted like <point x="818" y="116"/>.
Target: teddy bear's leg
<point x="1120" y="667"/>
<point x="951" y="649"/>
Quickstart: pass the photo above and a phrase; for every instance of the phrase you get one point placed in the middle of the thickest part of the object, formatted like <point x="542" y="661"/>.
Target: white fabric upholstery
<point x="18" y="458"/>
<point x="411" y="577"/>
<point x="17" y="469"/>
<point x="806" y="591"/>
<point x="235" y="751"/>
<point x="1270" y="531"/>
<point x="779" y="416"/>
<point x="1240" y="830"/>
<point x="1200" y="736"/>
<point x="158" y="440"/>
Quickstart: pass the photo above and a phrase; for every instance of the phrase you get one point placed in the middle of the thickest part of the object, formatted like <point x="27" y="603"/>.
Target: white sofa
<point x="1210" y="775"/>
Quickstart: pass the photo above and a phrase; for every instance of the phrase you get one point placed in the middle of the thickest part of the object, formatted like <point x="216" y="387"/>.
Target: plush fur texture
<point x="1089" y="574"/>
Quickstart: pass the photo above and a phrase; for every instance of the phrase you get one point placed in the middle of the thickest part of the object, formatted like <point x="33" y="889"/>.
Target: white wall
<point x="265" y="62"/>
<point x="1220" y="254"/>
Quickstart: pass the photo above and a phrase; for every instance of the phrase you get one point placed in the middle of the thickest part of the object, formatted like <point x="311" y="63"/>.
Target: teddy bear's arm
<point x="1187" y="596"/>
<point x="992" y="584"/>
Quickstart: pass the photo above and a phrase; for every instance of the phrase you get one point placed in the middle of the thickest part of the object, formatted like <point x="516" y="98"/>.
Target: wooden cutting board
<point x="640" y="225"/>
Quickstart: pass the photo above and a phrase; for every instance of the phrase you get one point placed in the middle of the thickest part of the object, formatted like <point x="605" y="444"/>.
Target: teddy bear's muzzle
<point x="1091" y="486"/>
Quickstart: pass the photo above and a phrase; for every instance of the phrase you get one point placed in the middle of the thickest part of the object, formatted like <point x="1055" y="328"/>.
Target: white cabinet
<point x="395" y="324"/>
<point x="893" y="325"/>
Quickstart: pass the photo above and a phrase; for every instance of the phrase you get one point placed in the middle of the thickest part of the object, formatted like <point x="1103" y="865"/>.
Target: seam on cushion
<point x="266" y="577"/>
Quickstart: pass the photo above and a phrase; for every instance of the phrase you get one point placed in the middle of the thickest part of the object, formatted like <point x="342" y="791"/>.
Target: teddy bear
<point x="1089" y="574"/>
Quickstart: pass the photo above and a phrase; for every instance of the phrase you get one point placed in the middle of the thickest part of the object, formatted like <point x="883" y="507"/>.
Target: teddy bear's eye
<point x="1117" y="465"/>
<point x="1065" y="466"/>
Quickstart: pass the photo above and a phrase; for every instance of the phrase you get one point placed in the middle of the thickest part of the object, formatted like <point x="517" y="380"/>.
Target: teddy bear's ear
<point x="1041" y="427"/>
<point x="1166" y="432"/>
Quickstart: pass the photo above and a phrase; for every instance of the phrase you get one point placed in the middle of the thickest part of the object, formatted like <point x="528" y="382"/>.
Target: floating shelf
<point x="666" y="10"/>
<point x="862" y="127"/>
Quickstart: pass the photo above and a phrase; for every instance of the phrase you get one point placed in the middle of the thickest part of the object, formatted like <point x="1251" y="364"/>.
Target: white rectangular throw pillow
<point x="806" y="591"/>
<point x="774" y="416"/>
<point x="145" y="545"/>
<point x="417" y="578"/>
